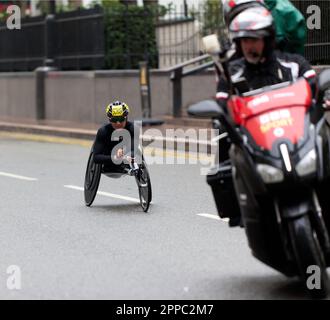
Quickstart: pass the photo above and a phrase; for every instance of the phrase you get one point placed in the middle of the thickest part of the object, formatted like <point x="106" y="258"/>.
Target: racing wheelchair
<point x="139" y="171"/>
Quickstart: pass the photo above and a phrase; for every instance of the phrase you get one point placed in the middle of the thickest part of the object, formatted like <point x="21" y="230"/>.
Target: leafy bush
<point x="130" y="35"/>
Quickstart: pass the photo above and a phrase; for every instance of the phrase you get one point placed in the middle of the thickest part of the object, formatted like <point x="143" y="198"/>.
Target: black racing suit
<point x="107" y="139"/>
<point x="279" y="67"/>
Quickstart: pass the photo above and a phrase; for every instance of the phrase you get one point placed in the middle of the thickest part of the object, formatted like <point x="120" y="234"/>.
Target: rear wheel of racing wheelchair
<point x="92" y="180"/>
<point x="144" y="186"/>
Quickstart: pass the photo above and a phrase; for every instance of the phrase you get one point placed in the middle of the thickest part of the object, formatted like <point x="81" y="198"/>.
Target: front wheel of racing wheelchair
<point x="139" y="171"/>
<point x="142" y="178"/>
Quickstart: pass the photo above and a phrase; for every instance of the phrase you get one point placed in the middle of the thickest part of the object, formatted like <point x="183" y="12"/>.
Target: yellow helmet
<point x="117" y="111"/>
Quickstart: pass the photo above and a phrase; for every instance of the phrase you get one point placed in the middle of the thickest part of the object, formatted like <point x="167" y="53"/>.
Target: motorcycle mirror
<point x="211" y="44"/>
<point x="205" y="109"/>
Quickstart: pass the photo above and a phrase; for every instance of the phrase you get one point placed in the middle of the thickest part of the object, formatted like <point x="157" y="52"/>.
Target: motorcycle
<point x="278" y="175"/>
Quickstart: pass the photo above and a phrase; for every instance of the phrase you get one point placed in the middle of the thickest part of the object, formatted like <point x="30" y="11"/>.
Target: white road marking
<point x="212" y="216"/>
<point x="15" y="176"/>
<point x="106" y="194"/>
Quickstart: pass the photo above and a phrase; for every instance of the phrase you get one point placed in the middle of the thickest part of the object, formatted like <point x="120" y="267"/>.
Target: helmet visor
<point x="259" y="34"/>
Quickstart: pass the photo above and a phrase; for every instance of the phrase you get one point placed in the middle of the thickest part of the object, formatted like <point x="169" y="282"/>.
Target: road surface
<point x="113" y="250"/>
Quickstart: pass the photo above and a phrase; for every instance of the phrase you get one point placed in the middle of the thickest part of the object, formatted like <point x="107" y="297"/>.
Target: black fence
<point x="22" y="50"/>
<point x="317" y="49"/>
<point x="68" y="41"/>
<point x="111" y="38"/>
<point x="79" y="39"/>
<point x="120" y="38"/>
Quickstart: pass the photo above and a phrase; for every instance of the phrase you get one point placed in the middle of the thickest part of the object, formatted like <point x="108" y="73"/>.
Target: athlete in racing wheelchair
<point x="116" y="153"/>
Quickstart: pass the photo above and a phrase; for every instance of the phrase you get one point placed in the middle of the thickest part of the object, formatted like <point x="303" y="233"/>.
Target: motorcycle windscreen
<point x="282" y="123"/>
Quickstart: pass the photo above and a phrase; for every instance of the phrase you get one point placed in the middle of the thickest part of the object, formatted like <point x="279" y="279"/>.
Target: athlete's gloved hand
<point x="120" y="154"/>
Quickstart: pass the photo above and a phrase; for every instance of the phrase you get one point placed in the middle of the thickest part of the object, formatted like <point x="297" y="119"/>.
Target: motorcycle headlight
<point x="308" y="164"/>
<point x="270" y="174"/>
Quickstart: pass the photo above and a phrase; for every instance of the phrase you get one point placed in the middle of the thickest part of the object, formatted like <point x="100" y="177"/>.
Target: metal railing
<point x="179" y="72"/>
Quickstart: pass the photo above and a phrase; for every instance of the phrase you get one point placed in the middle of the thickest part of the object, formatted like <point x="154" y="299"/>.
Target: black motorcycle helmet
<point x="255" y="22"/>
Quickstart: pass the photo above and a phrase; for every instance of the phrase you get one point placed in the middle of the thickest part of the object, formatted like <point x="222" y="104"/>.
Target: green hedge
<point x="130" y="36"/>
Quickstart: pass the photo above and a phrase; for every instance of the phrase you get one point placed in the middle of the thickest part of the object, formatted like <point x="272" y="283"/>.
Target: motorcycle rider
<point x="291" y="30"/>
<point x="253" y="33"/>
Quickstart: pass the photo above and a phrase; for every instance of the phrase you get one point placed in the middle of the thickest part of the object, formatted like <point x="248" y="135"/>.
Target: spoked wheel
<point x="144" y="185"/>
<point x="92" y="180"/>
<point x="308" y="253"/>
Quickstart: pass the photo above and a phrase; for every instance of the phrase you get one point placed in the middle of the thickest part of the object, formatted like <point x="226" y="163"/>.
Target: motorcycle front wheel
<point x="308" y="256"/>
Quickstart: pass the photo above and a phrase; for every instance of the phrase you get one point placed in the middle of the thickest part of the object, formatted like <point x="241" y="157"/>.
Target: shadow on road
<point x="258" y="288"/>
<point x="127" y="209"/>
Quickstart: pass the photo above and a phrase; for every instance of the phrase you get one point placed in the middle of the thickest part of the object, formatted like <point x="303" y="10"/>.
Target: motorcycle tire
<point x="307" y="252"/>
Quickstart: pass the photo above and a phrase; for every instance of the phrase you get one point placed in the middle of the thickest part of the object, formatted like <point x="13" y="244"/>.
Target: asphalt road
<point x="113" y="250"/>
